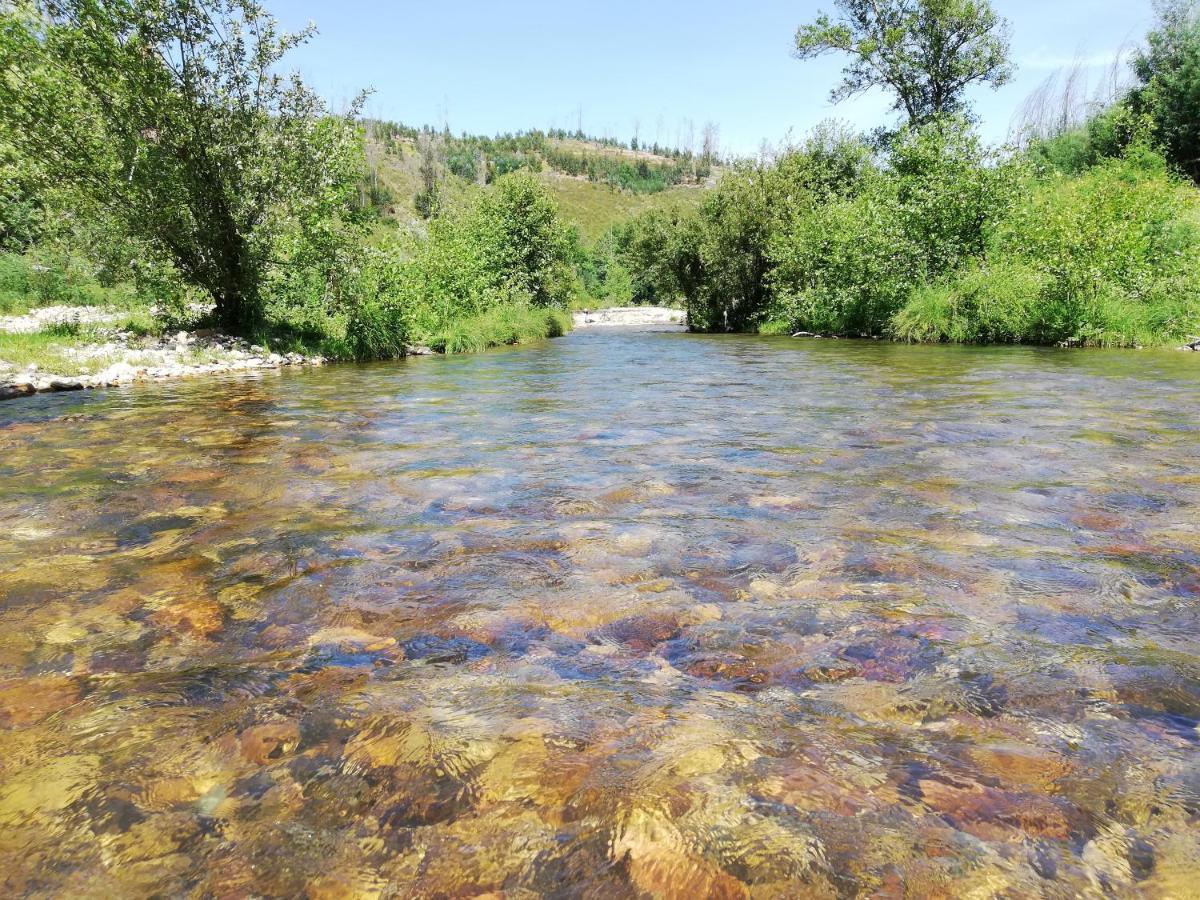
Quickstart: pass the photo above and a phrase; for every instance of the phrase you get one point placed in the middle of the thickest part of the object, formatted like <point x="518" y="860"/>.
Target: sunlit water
<point x="621" y="615"/>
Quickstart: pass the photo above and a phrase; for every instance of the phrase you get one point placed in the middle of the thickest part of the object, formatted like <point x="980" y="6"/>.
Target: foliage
<point x="639" y="175"/>
<point x="938" y="239"/>
<point x="1168" y="70"/>
<point x="508" y="247"/>
<point x="21" y="208"/>
<point x="1109" y="258"/>
<point x="924" y="52"/>
<point x="499" y="326"/>
<point x="983" y="304"/>
<point x="1119" y="249"/>
<point x="171" y="115"/>
<point x="662" y="250"/>
<point x="1106" y="135"/>
<point x="47" y="279"/>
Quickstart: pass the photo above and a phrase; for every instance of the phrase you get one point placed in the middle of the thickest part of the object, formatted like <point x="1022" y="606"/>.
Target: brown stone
<point x="640" y="632"/>
<point x="201" y="618"/>
<point x="267" y="743"/>
<point x="29" y="701"/>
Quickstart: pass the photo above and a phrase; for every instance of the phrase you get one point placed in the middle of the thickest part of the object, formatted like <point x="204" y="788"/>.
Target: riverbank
<point x="121" y="357"/>
<point x="79" y="348"/>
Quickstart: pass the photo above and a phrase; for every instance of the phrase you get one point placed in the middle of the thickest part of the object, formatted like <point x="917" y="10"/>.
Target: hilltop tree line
<point x="479" y="159"/>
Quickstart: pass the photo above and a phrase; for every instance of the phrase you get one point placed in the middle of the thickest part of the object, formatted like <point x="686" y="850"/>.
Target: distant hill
<point x="597" y="183"/>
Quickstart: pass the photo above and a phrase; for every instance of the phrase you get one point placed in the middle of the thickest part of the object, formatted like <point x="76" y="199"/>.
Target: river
<point x="617" y="615"/>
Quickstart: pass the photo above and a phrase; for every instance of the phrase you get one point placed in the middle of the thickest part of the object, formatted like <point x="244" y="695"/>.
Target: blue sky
<point x="487" y="67"/>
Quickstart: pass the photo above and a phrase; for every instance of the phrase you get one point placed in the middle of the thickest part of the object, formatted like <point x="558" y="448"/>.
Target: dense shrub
<point x="938" y="239"/>
<point x="1168" y="95"/>
<point x="1108" y="258"/>
<point x="1073" y="151"/>
<point x="507" y="248"/>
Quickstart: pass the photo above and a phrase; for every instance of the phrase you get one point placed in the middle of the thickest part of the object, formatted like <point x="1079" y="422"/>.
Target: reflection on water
<point x="623" y="615"/>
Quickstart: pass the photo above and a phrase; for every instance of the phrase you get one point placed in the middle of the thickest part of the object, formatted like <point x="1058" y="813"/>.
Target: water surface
<point x="617" y="616"/>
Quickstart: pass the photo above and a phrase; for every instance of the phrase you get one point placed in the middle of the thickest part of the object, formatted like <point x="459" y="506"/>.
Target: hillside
<point x="594" y="208"/>
<point x="596" y="183"/>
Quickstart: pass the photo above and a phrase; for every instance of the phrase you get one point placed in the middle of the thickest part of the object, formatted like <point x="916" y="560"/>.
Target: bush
<point x="938" y="240"/>
<point x="848" y="252"/>
<point x="503" y="325"/>
<point x="1106" y="135"/>
<point x="981" y="305"/>
<point x="506" y="249"/>
<point x="1111" y="258"/>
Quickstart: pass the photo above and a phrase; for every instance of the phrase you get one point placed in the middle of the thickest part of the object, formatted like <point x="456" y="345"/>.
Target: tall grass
<point x="503" y="325"/>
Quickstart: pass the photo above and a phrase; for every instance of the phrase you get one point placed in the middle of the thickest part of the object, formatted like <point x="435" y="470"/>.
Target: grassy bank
<point x="503" y="326"/>
<point x="72" y="325"/>
<point x="32" y="280"/>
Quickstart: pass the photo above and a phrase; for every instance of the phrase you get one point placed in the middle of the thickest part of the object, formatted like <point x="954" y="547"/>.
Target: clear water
<point x="621" y="615"/>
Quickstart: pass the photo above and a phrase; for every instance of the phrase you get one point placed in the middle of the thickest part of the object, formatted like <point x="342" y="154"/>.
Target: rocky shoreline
<point x="641" y="317"/>
<point x="123" y="359"/>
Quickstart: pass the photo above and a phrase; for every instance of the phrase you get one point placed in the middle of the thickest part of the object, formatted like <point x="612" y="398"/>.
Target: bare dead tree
<point x="711" y="142"/>
<point x="428" y="199"/>
<point x="1067" y="100"/>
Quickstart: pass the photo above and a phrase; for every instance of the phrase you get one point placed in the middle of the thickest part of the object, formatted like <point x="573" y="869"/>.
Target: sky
<point x="624" y="67"/>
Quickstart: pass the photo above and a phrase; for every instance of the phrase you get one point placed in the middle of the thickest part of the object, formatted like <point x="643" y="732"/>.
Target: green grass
<point x="46" y="350"/>
<point x="27" y="282"/>
<point x="504" y="325"/>
<point x="51" y="349"/>
<point x="776" y="328"/>
<point x="595" y="208"/>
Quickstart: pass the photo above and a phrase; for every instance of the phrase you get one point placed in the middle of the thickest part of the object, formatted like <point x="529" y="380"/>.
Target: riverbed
<point x="613" y="616"/>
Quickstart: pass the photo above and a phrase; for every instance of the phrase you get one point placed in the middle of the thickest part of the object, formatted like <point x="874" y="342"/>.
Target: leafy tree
<point x="507" y="247"/>
<point x="522" y="241"/>
<point x="925" y="52"/>
<point x="662" y="250"/>
<point x="1169" y="72"/>
<point x="172" y="116"/>
<point x="21" y="214"/>
<point x="733" y="253"/>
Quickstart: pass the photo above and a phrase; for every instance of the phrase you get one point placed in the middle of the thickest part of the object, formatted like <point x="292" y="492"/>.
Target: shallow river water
<point x="621" y="615"/>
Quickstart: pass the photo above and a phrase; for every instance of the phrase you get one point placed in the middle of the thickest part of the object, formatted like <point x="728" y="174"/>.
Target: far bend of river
<point x="621" y="615"/>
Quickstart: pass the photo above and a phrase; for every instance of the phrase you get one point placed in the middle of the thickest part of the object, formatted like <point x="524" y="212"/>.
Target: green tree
<point x="661" y="248"/>
<point x="522" y="241"/>
<point x="508" y="247"/>
<point x="173" y="117"/>
<point x="925" y="52"/>
<point x="1169" y="71"/>
<point x="733" y="253"/>
<point x="21" y="213"/>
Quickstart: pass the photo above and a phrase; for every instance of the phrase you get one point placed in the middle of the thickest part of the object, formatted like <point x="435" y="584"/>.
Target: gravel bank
<point x="124" y="359"/>
<point x="641" y="317"/>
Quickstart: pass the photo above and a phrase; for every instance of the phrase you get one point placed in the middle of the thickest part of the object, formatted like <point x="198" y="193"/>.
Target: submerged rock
<point x="639" y="632"/>
<point x="268" y="743"/>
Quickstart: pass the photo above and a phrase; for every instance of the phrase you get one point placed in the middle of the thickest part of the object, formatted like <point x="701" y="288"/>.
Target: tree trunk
<point x="235" y="315"/>
<point x="238" y="308"/>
